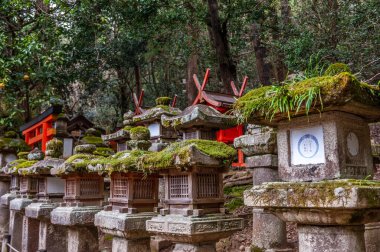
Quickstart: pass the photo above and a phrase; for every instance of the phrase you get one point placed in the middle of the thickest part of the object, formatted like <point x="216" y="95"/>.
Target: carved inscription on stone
<point x="136" y="225"/>
<point x="179" y="228"/>
<point x="155" y="226"/>
<point x="355" y="171"/>
<point x="206" y="227"/>
<point x="231" y="225"/>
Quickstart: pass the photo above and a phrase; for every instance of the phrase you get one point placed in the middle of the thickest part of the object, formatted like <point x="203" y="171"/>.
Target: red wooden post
<point x="44" y="136"/>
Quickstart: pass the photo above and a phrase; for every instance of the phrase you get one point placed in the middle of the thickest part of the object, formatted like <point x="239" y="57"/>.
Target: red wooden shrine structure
<point x="138" y="102"/>
<point x="222" y="103"/>
<point x="40" y="129"/>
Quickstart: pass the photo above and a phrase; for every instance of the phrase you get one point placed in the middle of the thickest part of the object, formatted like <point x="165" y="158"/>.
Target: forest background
<point x="95" y="54"/>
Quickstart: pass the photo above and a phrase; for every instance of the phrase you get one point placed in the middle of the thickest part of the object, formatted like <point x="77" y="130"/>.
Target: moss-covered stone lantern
<point x="133" y="199"/>
<point x="151" y="118"/>
<point x="38" y="233"/>
<point x="10" y="145"/>
<point x="84" y="196"/>
<point x="322" y="135"/>
<point x="121" y="137"/>
<point x="193" y="216"/>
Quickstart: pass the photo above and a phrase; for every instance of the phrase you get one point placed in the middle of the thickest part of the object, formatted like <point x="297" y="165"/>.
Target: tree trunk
<point x="192" y="68"/>
<point x="137" y="79"/>
<point x="227" y="68"/>
<point x="263" y="68"/>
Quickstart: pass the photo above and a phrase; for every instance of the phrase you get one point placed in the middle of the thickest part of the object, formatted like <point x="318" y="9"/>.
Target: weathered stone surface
<point x="82" y="239"/>
<point x="123" y="245"/>
<point x="372" y="237"/>
<point x="30" y="233"/>
<point x="7" y="198"/>
<point x="15" y="229"/>
<point x="52" y="237"/>
<point x="262" y="175"/>
<point x="331" y="238"/>
<point x="19" y="204"/>
<point x="338" y="161"/>
<point x="203" y="247"/>
<point x="128" y="226"/>
<point x="188" y="229"/>
<point x="266" y="160"/>
<point x="40" y="210"/>
<point x="71" y="216"/>
<point x="328" y="203"/>
<point x="157" y="244"/>
<point x="259" y="144"/>
<point x="268" y="230"/>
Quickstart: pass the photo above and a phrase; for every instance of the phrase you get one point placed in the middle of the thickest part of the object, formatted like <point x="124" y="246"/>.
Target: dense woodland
<point x="94" y="54"/>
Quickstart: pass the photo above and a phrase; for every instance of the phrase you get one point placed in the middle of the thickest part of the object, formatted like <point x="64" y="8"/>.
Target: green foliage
<point x="10" y="134"/>
<point x="180" y="152"/>
<point x="13" y="145"/>
<point x="337" y="68"/>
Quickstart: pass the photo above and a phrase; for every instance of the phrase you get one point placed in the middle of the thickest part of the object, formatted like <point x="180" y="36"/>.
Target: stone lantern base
<point x="128" y="230"/>
<point x="82" y="235"/>
<point x="330" y="214"/>
<point x="51" y="237"/>
<point x="194" y="233"/>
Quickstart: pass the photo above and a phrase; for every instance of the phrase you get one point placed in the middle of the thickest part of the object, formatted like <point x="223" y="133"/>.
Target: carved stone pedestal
<point x="51" y="237"/>
<point x="372" y="237"/>
<point x="194" y="232"/>
<point x="128" y="230"/>
<point x="17" y="221"/>
<point x="4" y="210"/>
<point x="331" y="238"/>
<point x="82" y="235"/>
<point x="201" y="247"/>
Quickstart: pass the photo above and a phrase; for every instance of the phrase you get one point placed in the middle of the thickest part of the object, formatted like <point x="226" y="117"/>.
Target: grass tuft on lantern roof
<point x="301" y="97"/>
<point x="180" y="150"/>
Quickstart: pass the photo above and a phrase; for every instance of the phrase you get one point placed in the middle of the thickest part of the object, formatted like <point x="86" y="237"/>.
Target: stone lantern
<point x="121" y="136"/>
<point x="324" y="154"/>
<point x="133" y="199"/>
<point x="83" y="198"/>
<point x="38" y="232"/>
<point x="199" y="122"/>
<point x="151" y="118"/>
<point x="193" y="216"/>
<point x="10" y="145"/>
<point x="60" y="126"/>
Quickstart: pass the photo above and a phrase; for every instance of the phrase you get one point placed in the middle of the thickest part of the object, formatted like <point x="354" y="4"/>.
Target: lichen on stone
<point x="85" y="149"/>
<point x="180" y="152"/>
<point x="36" y="154"/>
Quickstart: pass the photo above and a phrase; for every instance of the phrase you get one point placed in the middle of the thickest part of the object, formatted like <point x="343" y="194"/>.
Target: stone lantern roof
<point x="199" y="115"/>
<point x="154" y="114"/>
<point x="187" y="154"/>
<point x="10" y="143"/>
<point x="342" y="92"/>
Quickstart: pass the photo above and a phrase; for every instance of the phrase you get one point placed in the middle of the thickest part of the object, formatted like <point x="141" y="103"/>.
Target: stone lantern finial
<point x="54" y="148"/>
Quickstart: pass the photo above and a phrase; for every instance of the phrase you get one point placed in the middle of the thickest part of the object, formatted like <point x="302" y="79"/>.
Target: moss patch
<point x="166" y="158"/>
<point x="337" y="68"/>
<point x="93" y="140"/>
<point x="163" y="101"/>
<point x="103" y="151"/>
<point x="139" y="133"/>
<point x="235" y="196"/>
<point x="300" y="97"/>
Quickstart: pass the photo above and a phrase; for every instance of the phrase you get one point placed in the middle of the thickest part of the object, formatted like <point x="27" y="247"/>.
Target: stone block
<point x="268" y="230"/>
<point x="70" y="216"/>
<point x="262" y="175"/>
<point x="189" y="229"/>
<point x="30" y="233"/>
<point x="19" y="204"/>
<point x="333" y="145"/>
<point x="120" y="244"/>
<point x="39" y="210"/>
<point x="266" y="160"/>
<point x="15" y="229"/>
<point x="157" y="244"/>
<point x="52" y="237"/>
<point x="7" y="198"/>
<point x="331" y="238"/>
<point x="82" y="239"/>
<point x="372" y="237"/>
<point x="202" y="247"/>
<point x="128" y="226"/>
<point x="251" y="145"/>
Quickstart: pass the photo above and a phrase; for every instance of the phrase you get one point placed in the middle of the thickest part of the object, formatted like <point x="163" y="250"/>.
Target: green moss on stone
<point x="300" y="97"/>
<point x="139" y="133"/>
<point x="103" y="151"/>
<point x="93" y="140"/>
<point x="93" y="132"/>
<point x="10" y="134"/>
<point x="180" y="150"/>
<point x="13" y="145"/>
<point x="337" y="68"/>
<point x="163" y="101"/>
<point x="127" y="128"/>
<point x="23" y="155"/>
<point x="25" y="164"/>
<point x="54" y="148"/>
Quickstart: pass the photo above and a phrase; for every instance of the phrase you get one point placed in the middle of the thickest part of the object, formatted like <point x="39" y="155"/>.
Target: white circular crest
<point x="352" y="144"/>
